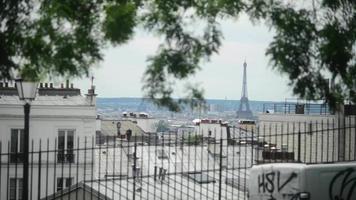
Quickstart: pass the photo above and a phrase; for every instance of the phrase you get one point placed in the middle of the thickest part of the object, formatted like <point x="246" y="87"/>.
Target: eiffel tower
<point x="244" y="109"/>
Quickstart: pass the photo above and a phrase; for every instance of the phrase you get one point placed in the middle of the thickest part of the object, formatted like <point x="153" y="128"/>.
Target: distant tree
<point x="313" y="42"/>
<point x="162" y="126"/>
<point x="194" y="139"/>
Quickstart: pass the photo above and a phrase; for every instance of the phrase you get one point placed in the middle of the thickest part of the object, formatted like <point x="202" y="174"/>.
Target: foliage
<point x="162" y="126"/>
<point x="315" y="46"/>
<point x="314" y="41"/>
<point x="194" y="139"/>
<point x="59" y="37"/>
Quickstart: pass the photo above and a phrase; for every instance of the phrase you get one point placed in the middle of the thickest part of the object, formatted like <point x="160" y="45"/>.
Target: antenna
<point x="92" y="81"/>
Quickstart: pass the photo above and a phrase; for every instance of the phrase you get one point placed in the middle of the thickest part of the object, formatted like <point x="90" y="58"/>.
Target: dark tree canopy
<point x="314" y="42"/>
<point x="59" y="37"/>
<point x="315" y="46"/>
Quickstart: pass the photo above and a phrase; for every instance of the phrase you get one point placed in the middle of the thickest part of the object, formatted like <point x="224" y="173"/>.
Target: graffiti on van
<point x="276" y="182"/>
<point x="343" y="184"/>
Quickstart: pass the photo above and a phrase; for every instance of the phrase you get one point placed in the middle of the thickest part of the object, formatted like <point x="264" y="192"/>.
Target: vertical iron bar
<point x="99" y="160"/>
<point x="220" y="168"/>
<point x="134" y="169"/>
<point x="333" y="128"/>
<point x="8" y="170"/>
<point x="288" y="140"/>
<point x="31" y="185"/>
<point x="113" y="168"/>
<point x="354" y="138"/>
<point x="70" y="167"/>
<point x="64" y="181"/>
<point x="252" y="144"/>
<point x="47" y="162"/>
<point x="310" y="141"/>
<point x="55" y="159"/>
<point x="85" y="164"/>
<point x="281" y="139"/>
<point x="305" y="141"/>
<point x="316" y="141"/>
<point x="349" y="139"/>
<point x="92" y="168"/>
<point x="299" y="143"/>
<point x="106" y="167"/>
<point x="327" y="141"/>
<point x="322" y="141"/>
<point x="26" y="152"/>
<point x="293" y="142"/>
<point x="39" y="172"/>
<point x="77" y="169"/>
<point x="0" y="164"/>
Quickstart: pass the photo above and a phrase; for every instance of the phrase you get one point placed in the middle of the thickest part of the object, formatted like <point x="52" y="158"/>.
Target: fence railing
<point x="192" y="166"/>
<point x="297" y="108"/>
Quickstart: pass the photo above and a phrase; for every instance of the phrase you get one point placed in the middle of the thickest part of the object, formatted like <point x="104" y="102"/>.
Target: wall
<point x="319" y="135"/>
<point x="218" y="131"/>
<point x="45" y="120"/>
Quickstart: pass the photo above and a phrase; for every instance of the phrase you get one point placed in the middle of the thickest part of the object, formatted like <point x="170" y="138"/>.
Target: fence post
<point x="299" y="143"/>
<point x="220" y="167"/>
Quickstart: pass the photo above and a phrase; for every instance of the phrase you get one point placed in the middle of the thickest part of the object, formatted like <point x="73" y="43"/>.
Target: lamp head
<point x="26" y="89"/>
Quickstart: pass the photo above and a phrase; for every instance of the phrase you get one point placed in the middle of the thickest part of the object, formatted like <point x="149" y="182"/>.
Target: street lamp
<point x="27" y="92"/>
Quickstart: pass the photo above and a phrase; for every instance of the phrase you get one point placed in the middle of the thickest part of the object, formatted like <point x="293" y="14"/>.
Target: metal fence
<point x="187" y="166"/>
<point x="297" y="108"/>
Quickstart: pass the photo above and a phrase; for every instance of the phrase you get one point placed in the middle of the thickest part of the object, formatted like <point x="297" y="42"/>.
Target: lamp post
<point x="27" y="93"/>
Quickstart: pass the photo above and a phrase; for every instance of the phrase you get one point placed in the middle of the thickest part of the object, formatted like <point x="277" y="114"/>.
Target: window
<point x="16" y="146"/>
<point x="65" y="146"/>
<point x="15" y="188"/>
<point x="63" y="183"/>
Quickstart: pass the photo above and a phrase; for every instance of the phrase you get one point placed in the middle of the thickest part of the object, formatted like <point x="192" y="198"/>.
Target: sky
<point x="121" y="71"/>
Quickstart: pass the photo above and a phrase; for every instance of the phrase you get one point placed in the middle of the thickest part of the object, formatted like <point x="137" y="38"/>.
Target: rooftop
<point x="47" y="94"/>
<point x="109" y="127"/>
<point x="47" y="100"/>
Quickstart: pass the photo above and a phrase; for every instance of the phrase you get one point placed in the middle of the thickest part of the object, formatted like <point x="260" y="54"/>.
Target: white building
<point x="147" y="123"/>
<point x="61" y="121"/>
<point x="212" y="128"/>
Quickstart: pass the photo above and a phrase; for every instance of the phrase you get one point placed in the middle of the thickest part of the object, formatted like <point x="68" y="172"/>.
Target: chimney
<point x="67" y="83"/>
<point x="91" y="96"/>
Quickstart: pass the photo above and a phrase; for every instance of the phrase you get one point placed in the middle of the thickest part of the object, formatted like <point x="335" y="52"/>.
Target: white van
<point x="287" y="181"/>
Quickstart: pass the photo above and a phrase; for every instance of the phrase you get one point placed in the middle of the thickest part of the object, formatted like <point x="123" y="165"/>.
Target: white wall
<point x="45" y="121"/>
<point x="217" y="130"/>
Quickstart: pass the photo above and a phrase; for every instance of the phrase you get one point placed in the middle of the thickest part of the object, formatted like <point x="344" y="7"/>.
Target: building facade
<point x="61" y="121"/>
